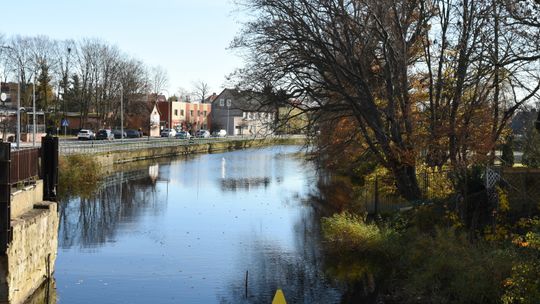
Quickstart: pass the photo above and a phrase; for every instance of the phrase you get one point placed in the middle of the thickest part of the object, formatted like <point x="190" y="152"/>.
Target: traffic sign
<point x="65" y="122"/>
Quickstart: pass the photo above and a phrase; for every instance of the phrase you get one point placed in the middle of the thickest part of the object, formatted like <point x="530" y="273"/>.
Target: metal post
<point x="34" y="111"/>
<point x="19" y="112"/>
<point x="122" y="112"/>
<point x="5" y="196"/>
<point x="376" y="207"/>
<point x="49" y="164"/>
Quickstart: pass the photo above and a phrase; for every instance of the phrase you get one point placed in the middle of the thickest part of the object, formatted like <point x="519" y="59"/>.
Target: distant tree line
<point x="87" y="76"/>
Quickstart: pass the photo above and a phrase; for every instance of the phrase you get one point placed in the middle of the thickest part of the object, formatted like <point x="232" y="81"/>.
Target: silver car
<point x="86" y="134"/>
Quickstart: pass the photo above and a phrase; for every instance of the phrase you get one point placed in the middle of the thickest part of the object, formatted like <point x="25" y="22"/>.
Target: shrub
<point x="447" y="268"/>
<point x="78" y="175"/>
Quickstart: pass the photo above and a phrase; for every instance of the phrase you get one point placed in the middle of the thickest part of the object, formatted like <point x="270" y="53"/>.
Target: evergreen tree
<point x="508" y="152"/>
<point x="44" y="92"/>
<point x="531" y="148"/>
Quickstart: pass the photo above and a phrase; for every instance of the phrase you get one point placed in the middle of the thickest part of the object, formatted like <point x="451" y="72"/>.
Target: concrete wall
<point x="107" y="160"/>
<point x="23" y="200"/>
<point x="31" y="255"/>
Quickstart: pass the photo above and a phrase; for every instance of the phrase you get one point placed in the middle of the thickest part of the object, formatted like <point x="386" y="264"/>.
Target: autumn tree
<point x="436" y="78"/>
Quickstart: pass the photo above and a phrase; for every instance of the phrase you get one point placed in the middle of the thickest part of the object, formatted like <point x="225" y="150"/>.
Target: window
<point x="175" y="112"/>
<point x="221" y="102"/>
<point x="198" y="113"/>
<point x="182" y="112"/>
<point x="229" y="102"/>
<point x="244" y="115"/>
<point x="191" y="113"/>
<point x="205" y="113"/>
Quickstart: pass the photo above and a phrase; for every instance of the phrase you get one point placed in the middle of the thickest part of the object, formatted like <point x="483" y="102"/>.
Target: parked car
<point x="118" y="133"/>
<point x="105" y="134"/>
<point x="183" y="135"/>
<point x="133" y="133"/>
<point x="220" y="133"/>
<point x="168" y="133"/>
<point x="202" y="134"/>
<point x="85" y="134"/>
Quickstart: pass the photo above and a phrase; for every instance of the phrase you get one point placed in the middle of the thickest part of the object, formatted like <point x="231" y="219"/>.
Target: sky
<point x="188" y="38"/>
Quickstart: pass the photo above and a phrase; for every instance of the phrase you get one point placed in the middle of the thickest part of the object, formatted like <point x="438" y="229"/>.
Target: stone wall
<point x="31" y="255"/>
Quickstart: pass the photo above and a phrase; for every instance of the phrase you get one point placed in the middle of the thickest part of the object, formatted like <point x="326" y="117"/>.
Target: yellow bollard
<point x="279" y="298"/>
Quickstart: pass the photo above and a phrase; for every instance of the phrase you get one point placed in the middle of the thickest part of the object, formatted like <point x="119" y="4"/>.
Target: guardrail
<point x="104" y="146"/>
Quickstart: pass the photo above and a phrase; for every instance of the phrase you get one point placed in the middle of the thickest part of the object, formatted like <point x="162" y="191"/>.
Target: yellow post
<point x="279" y="298"/>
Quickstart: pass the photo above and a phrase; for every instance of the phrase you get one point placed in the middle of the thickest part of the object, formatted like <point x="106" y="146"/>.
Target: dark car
<point x="104" y="134"/>
<point x="118" y="133"/>
<point x="133" y="134"/>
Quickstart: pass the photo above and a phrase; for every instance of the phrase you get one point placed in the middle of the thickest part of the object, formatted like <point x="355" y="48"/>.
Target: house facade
<point x="183" y="115"/>
<point x="242" y="113"/>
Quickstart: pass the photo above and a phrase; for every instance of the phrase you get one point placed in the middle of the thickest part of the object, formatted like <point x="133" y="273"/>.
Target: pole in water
<point x="246" y="285"/>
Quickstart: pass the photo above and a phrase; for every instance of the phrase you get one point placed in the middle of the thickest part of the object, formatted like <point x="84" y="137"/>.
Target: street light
<point x="19" y="112"/>
<point x="34" y="111"/>
<point x="121" y="112"/>
<point x="228" y="101"/>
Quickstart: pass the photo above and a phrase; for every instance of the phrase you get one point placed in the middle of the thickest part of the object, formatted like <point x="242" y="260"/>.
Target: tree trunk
<point x="407" y="182"/>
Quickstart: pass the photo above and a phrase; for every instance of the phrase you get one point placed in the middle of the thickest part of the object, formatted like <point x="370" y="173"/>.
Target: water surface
<point x="188" y="230"/>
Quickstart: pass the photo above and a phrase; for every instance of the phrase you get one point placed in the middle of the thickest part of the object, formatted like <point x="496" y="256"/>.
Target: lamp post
<point x="19" y="112"/>
<point x="228" y="101"/>
<point x="34" y="111"/>
<point x="122" y="112"/>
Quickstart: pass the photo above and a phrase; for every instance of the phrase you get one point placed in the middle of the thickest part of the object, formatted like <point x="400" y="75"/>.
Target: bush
<point x="447" y="268"/>
<point x="78" y="175"/>
<point x="412" y="266"/>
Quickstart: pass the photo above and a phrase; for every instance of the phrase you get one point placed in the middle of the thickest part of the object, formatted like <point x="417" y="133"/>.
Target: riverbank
<point x="109" y="158"/>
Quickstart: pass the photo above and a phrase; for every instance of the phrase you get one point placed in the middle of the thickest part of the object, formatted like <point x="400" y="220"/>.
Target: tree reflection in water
<point x="299" y="273"/>
<point x="122" y="199"/>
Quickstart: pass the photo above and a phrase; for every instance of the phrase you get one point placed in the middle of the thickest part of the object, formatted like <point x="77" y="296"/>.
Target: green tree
<point x="44" y="92"/>
<point x="508" y="152"/>
<point x="531" y="148"/>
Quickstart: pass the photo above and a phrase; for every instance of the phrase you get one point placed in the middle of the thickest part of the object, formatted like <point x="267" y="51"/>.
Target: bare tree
<point x="416" y="76"/>
<point x="201" y="90"/>
<point x="159" y="78"/>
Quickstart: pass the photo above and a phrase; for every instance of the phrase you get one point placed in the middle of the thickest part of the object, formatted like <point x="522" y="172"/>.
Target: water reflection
<point x="187" y="231"/>
<point x="122" y="198"/>
<point x="299" y="272"/>
<point x="234" y="184"/>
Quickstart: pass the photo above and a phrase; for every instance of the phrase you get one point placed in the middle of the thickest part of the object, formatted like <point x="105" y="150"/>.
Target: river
<point x="189" y="230"/>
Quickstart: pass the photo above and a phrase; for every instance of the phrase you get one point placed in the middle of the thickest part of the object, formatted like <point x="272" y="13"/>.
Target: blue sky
<point x="187" y="37"/>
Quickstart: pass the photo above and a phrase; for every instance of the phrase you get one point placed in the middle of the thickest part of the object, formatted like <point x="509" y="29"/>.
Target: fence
<point x="24" y="165"/>
<point x="105" y="146"/>
<point x="380" y="195"/>
<point x="39" y="128"/>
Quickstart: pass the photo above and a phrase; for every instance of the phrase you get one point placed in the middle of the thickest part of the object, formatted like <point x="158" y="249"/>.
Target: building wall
<point x="237" y="121"/>
<point x="185" y="115"/>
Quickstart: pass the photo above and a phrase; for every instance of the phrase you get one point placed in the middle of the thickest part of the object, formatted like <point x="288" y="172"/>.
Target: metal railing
<point x="24" y="165"/>
<point x="39" y="128"/>
<point x="104" y="146"/>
